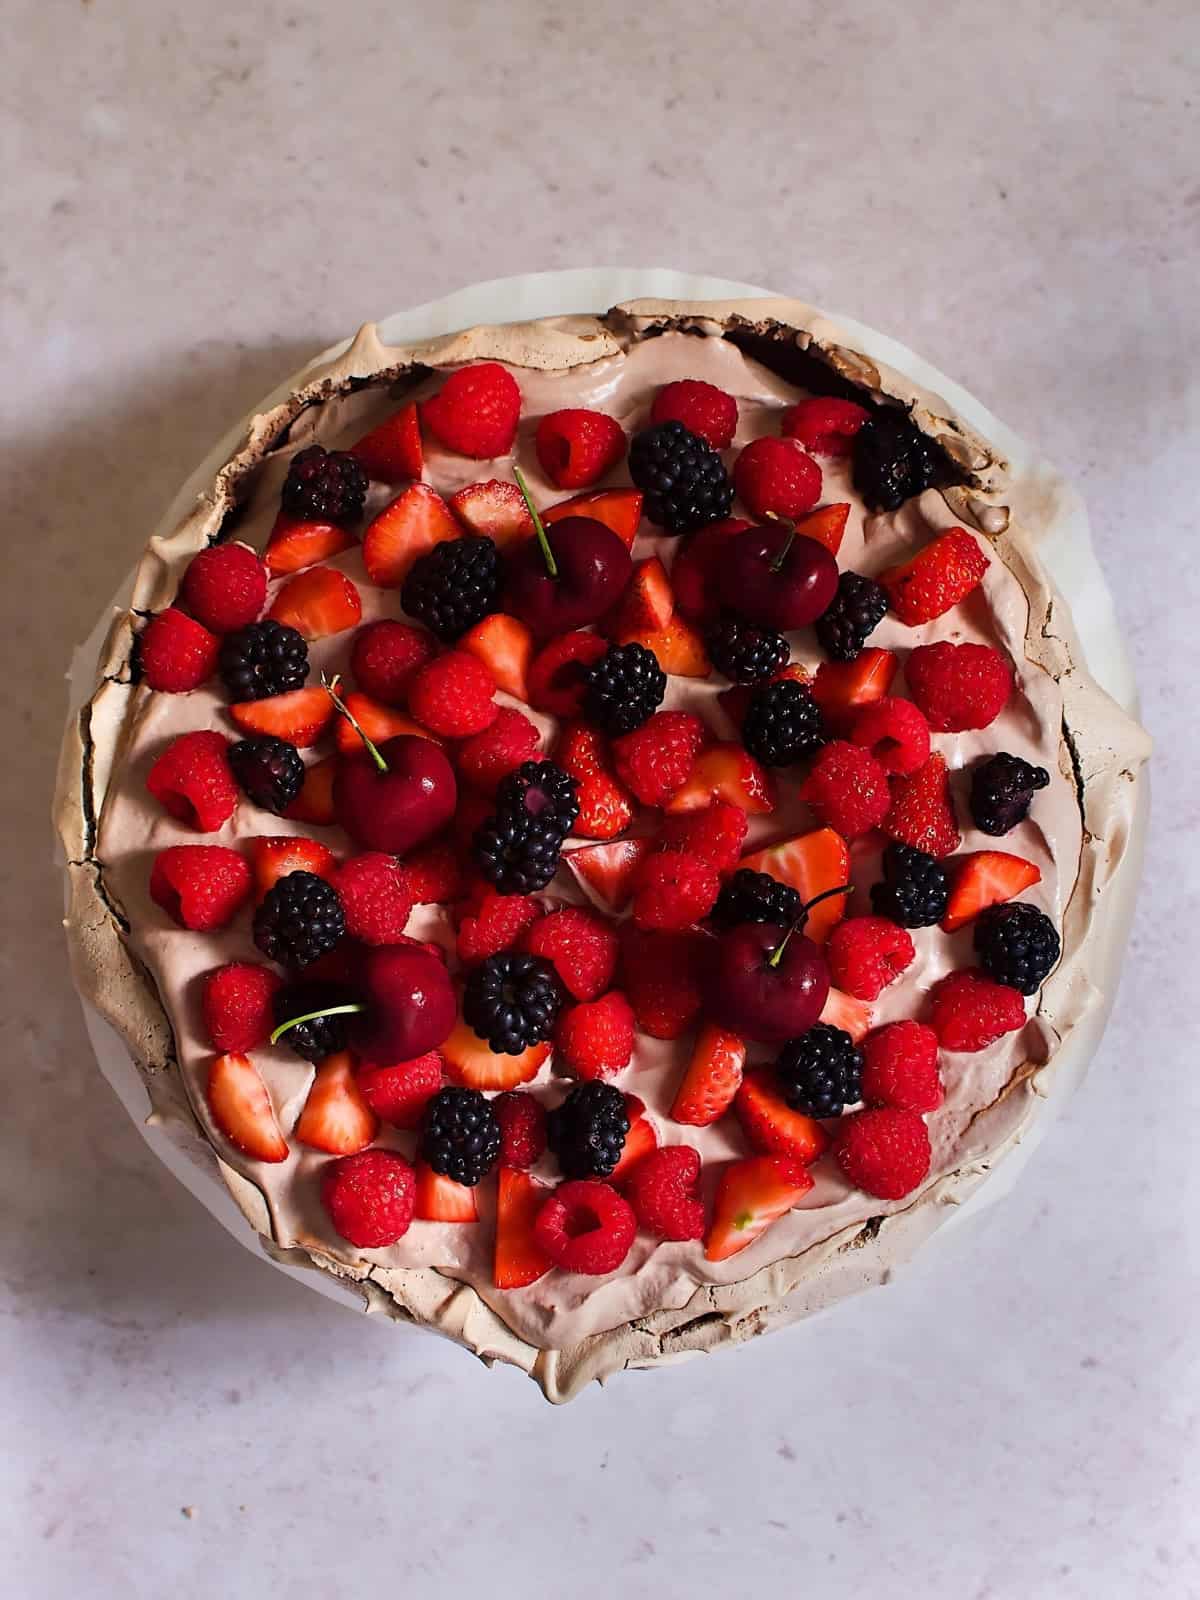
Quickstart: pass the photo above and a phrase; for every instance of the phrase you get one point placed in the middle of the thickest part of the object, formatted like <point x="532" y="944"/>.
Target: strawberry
<point x="852" y="1016"/>
<point x="471" y="1063"/>
<point x="519" y="1260"/>
<point x="493" y="510"/>
<point x="655" y="760"/>
<point x="177" y="653"/>
<point x="225" y="587"/>
<point x="661" y="975"/>
<point x="824" y="425"/>
<point x="618" y="509"/>
<point x="826" y="525"/>
<point x="505" y="646"/>
<point x="922" y="810"/>
<point x="476" y="411"/>
<point x="193" y="782"/>
<point x="937" y="578"/>
<point x="384" y="657"/>
<point x="379" y="722"/>
<point x="751" y="1195"/>
<point x="810" y="863"/>
<point x="440" y="1199"/>
<point x="200" y="886"/>
<point x="399" y="1093"/>
<point x="300" y="716"/>
<point x="703" y="409"/>
<point x="241" y="1108"/>
<point x="314" y="803"/>
<point x="842" y="688"/>
<point x="487" y="757"/>
<point x="273" y="858"/>
<point x="556" y="683"/>
<point x="294" y="544"/>
<point x="576" y="446"/>
<point x="605" y="808"/>
<point x="647" y="604"/>
<point x="409" y="527"/>
<point x="336" y="1118"/>
<point x="711" y="1079"/>
<point x="606" y="871"/>
<point x="716" y="834"/>
<point x="696" y="573"/>
<point x="776" y="477"/>
<point x="639" y="1141"/>
<point x="392" y="451"/>
<point x="986" y="878"/>
<point x="772" y="1126"/>
<point x="726" y="772"/>
<point x="679" y="648"/>
<point x="317" y="603"/>
<point x="235" y="1002"/>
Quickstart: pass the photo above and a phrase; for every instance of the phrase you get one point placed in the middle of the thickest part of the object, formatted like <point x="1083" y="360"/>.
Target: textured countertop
<point x="198" y="197"/>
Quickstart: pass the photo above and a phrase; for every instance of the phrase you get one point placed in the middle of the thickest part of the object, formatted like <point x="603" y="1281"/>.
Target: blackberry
<point x="542" y="790"/>
<point x="820" y="1073"/>
<point x="453" y="586"/>
<point x="744" y="652"/>
<point x="587" y="1132"/>
<point x="1002" y="788"/>
<point x="855" y="612"/>
<point x="893" y="460"/>
<point x="519" y="855"/>
<point x="264" y="659"/>
<point x="682" y="477"/>
<point x="783" y="723"/>
<point x="269" y="771"/>
<point x="319" y="1036"/>
<point x="914" y="890"/>
<point x="755" y="897"/>
<point x="324" y="486"/>
<point x="623" y="688"/>
<point x="1017" y="944"/>
<point x="460" y="1135"/>
<point x="512" y="1001"/>
<point x="299" y="919"/>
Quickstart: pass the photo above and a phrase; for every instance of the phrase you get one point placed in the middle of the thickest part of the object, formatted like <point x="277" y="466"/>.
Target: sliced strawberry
<point x="679" y="648"/>
<point x="618" y="509"/>
<point x="392" y="452"/>
<point x="827" y="525"/>
<point x="505" y="646"/>
<point x="606" y="871"/>
<point x="317" y="603"/>
<point x="772" y="1126"/>
<point x="471" y="1063"/>
<point x="751" y="1195"/>
<point x="519" y="1260"/>
<point x="336" y="1118"/>
<point x="294" y="545"/>
<point x="605" y="805"/>
<point x="811" y="863"/>
<point x="272" y="858"/>
<point x="842" y="688"/>
<point x="986" y="878"/>
<point x="735" y="701"/>
<point x="639" y="1141"/>
<point x="379" y="722"/>
<point x="696" y="573"/>
<point x="494" y="510"/>
<point x="314" y="803"/>
<point x="852" y="1016"/>
<point x="711" y="1079"/>
<point x="241" y="1108"/>
<point x="440" y="1199"/>
<point x="647" y="604"/>
<point x="300" y="716"/>
<point x="726" y="772"/>
<point x="409" y="527"/>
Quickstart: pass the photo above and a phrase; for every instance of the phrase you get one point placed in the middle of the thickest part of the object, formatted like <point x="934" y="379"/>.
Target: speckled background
<point x="198" y="196"/>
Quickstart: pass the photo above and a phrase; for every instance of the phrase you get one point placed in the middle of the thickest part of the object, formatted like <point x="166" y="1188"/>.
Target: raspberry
<point x="655" y="759"/>
<point x="193" y="781"/>
<point x="586" y="1226"/>
<point x="660" y="972"/>
<point x="385" y="657"/>
<point x="775" y="475"/>
<point x="847" y="788"/>
<point x="476" y="411"/>
<point x="969" y="1011"/>
<point x="936" y="578"/>
<point x="176" y="652"/>
<point x="716" y="834"/>
<point x="575" y="447"/>
<point x="605" y="809"/>
<point x="958" y="686"/>
<point x="895" y="732"/>
<point x="375" y="897"/>
<point x="581" y="947"/>
<point x="522" y="1122"/>
<point x="493" y="922"/>
<point x="225" y="587"/>
<point x="491" y="755"/>
<point x="399" y="1094"/>
<point x="370" y="1197"/>
<point x="556" y="681"/>
<point x="886" y="1153"/>
<point x="595" y="1040"/>
<point x="901" y="1067"/>
<point x="922" y="810"/>
<point x="674" y="890"/>
<point x="435" y="873"/>
<point x="201" y="886"/>
<point x="453" y="695"/>
<point x="235" y="1002"/>
<point x="703" y="409"/>
<point x="865" y="954"/>
<point x="662" y="1190"/>
<point x="824" y="425"/>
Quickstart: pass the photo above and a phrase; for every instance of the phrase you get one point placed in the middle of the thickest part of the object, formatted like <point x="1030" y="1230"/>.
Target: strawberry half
<point x="986" y="878"/>
<point x="647" y="604"/>
<point x="711" y="1079"/>
<point x="505" y="646"/>
<point x="471" y="1063"/>
<point x="408" y="528"/>
<point x="855" y="1017"/>
<point x="317" y="603"/>
<point x="618" y="509"/>
<point x="336" y="1118"/>
<point x="772" y="1126"/>
<point x="639" y="1141"/>
<point x="725" y="772"/>
<point x="605" y="806"/>
<point x="392" y="452"/>
<point x="494" y="510"/>
<point x="519" y="1259"/>
<point x="379" y="722"/>
<point x="293" y="545"/>
<point x="241" y="1107"/>
<point x="827" y="525"/>
<point x="300" y="716"/>
<point x="679" y="648"/>
<point x="606" y="871"/>
<point x="440" y="1199"/>
<point x="811" y="863"/>
<point x="273" y="857"/>
<point x="751" y="1195"/>
<point x="314" y="803"/>
<point x="843" y="688"/>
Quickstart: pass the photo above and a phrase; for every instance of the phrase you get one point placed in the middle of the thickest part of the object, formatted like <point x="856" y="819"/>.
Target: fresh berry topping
<point x="865" y="954"/>
<point x="711" y="1078"/>
<point x="774" y="477"/>
<point x="512" y="1000"/>
<point x="370" y="1197"/>
<point x="317" y="603"/>
<point x="472" y="1062"/>
<point x="783" y="723"/>
<point x="193" y="782"/>
<point x="922" y="810"/>
<point x="522" y="1121"/>
<point x="505" y="646"/>
<point x="556" y="674"/>
<point x="595" y="1039"/>
<point x="663" y="1191"/>
<point x="812" y="864"/>
<point x="744" y="652"/>
<point x="299" y="919"/>
<point x="702" y="408"/>
<point x="300" y="717"/>
<point x="294" y="545"/>
<point x="453" y="586"/>
<point x="885" y="1153"/>
<point x="587" y="1132"/>
<point x="225" y="587"/>
<point x="200" y="886"/>
<point x="661" y="975"/>
<point x="375" y="897"/>
<point x="435" y="873"/>
<point x="969" y="1011"/>
<point x="937" y="578"/>
<point x="623" y="688"/>
<point x="755" y="897"/>
<point x="607" y="871"/>
<point x="856" y="611"/>
<point x="265" y="659"/>
<point x="605" y="808"/>
<point x="751" y="1195"/>
<point x="176" y="652"/>
<point x="453" y="695"/>
<point x="336" y="1118"/>
<point x="495" y="509"/>
<point x="493" y="922"/>
<point x="895" y="732"/>
<point x="914" y="890"/>
<point x="772" y="1125"/>
<point x="273" y="857"/>
<point x="324" y="1030"/>
<point x="476" y="411"/>
<point x="235" y="1001"/>
<point x="1002" y="789"/>
<point x="893" y="460"/>
<point x="391" y="452"/>
<point x="269" y="771"/>
<point x="820" y="1073"/>
<point x="848" y="789"/>
<point x="986" y="878"/>
<point x="488" y="757"/>
<point x="460" y="1135"/>
<point x="715" y="835"/>
<point x="540" y="791"/>
<point x="517" y="855"/>
<point x="414" y="523"/>
<point x="241" y="1108"/>
<point x="324" y="486"/>
<point x="725" y="772"/>
<point x="399" y="1093"/>
<point x="843" y="688"/>
<point x="900" y="1067"/>
<point x="1018" y="945"/>
<point x="698" y="571"/>
<point x="580" y="945"/>
<point x="575" y="447"/>
<point x="959" y="686"/>
<point x="824" y="425"/>
<point x="585" y="1227"/>
<point x="674" y="890"/>
<point x="653" y="761"/>
<point x="683" y="478"/>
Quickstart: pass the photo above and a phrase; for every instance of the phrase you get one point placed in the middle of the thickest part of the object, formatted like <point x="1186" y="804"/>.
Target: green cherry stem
<point x="311" y="1016"/>
<point x="539" y="526"/>
<point x="776" y="955"/>
<point x="330" y="686"/>
<point x="776" y="565"/>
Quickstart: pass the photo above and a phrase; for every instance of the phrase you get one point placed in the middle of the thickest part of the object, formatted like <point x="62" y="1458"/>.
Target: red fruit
<point x="476" y="411"/>
<point x="519" y="1259"/>
<point x="556" y="682"/>
<point x="607" y="871"/>
<point x="970" y="1011"/>
<point x="843" y="688"/>
<point x="314" y="803"/>
<point x="399" y="1093"/>
<point x="885" y="1153"/>
<point x="398" y="801"/>
<point x="273" y="857"/>
<point x="766" y="982"/>
<point x="618" y="509"/>
<point x="192" y="781"/>
<point x="751" y="1195"/>
<point x="472" y="1064"/>
<point x="605" y="808"/>
<point x="660" y="973"/>
<point x="937" y="578"/>
<point x="336" y="1118"/>
<point x="177" y="652"/>
<point x="826" y="525"/>
<point x="639" y="1141"/>
<point x="235" y="1002"/>
<point x="775" y="477"/>
<point x="922" y="810"/>
<point x="375" y="896"/>
<point x="865" y="954"/>
<point x="712" y="1077"/>
<point x="959" y="686"/>
<point x="847" y="788"/>
<point x="370" y="1197"/>
<point x="591" y="570"/>
<point x="780" y="579"/>
<point x="674" y="890"/>
<point x="696" y="574"/>
<point x="715" y="834"/>
<point x="491" y="755"/>
<point x="824" y="425"/>
<point x="581" y="947"/>
<point x="294" y="545"/>
<point x="440" y="1199"/>
<point x="453" y="695"/>
<point x="522" y="1121"/>
<point x="225" y="587"/>
<point x="852" y="1016"/>
<point x="505" y="646"/>
<point x="474" y="809"/>
<point x="896" y="734"/>
<point x="701" y="407"/>
<point x="318" y="603"/>
<point x="655" y="760"/>
<point x="200" y="886"/>
<point x="679" y="648"/>
<point x="575" y="447"/>
<point x="986" y="878"/>
<point x="493" y="922"/>
<point x="663" y="1193"/>
<point x="900" y="1067"/>
<point x="812" y="863"/>
<point x="493" y="510"/>
<point x="585" y="1226"/>
<point x="241" y="1108"/>
<point x="725" y="772"/>
<point x="647" y="603"/>
<point x="385" y="656"/>
<point x="408" y="528"/>
<point x="391" y="452"/>
<point x="409" y="1004"/>
<point x="300" y="716"/>
<point x="772" y="1126"/>
<point x="595" y="1040"/>
<point x="435" y="873"/>
<point x="379" y="722"/>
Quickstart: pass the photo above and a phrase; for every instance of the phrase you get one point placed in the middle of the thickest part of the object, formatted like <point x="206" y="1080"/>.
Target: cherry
<point x="768" y="982"/>
<point x="392" y="796"/>
<point x="405" y="1005"/>
<point x="568" y="577"/>
<point x="778" y="578"/>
